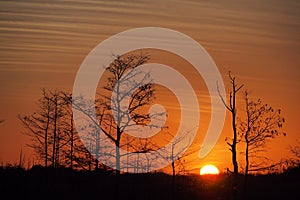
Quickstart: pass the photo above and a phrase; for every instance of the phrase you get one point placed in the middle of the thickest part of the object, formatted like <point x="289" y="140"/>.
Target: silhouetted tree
<point x="120" y="72"/>
<point x="91" y="138"/>
<point x="231" y="107"/>
<point x="51" y="127"/>
<point x="57" y="102"/>
<point x="178" y="157"/>
<point x="142" y="94"/>
<point x="39" y="125"/>
<point x="71" y="136"/>
<point x="262" y="124"/>
<point x="292" y="162"/>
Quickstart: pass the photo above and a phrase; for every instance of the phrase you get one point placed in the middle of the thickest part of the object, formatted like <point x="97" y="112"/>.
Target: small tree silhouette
<point x="262" y="123"/>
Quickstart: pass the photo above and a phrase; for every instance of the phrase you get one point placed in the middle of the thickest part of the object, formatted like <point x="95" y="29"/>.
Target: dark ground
<point x="48" y="183"/>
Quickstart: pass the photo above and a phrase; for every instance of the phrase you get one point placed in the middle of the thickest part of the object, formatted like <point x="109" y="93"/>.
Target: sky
<point x="43" y="43"/>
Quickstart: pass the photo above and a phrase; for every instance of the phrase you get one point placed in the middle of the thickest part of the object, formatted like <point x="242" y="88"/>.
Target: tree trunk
<point x="46" y="132"/>
<point x="118" y="157"/>
<point x="173" y="169"/>
<point x="118" y="150"/>
<point x="173" y="161"/>
<point x="246" y="169"/>
<point x="234" y="159"/>
<point x="247" y="159"/>
<point x="233" y="147"/>
<point x="46" y="140"/>
<point x="72" y="141"/>
<point x="57" y="150"/>
<point x="173" y="179"/>
<point x="54" y="132"/>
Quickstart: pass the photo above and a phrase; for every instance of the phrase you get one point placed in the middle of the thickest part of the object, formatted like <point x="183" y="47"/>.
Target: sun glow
<point x="209" y="169"/>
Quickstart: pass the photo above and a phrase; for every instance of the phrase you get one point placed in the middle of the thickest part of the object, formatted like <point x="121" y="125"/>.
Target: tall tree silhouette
<point x="71" y="136"/>
<point x="231" y="107"/>
<point x="39" y="126"/>
<point x="142" y="94"/>
<point x="112" y="118"/>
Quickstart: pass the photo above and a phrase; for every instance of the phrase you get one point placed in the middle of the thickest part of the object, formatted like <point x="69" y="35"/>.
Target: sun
<point x="209" y="169"/>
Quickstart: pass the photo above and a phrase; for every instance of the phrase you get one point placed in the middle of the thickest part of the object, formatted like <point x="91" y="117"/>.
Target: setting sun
<point x="209" y="169"/>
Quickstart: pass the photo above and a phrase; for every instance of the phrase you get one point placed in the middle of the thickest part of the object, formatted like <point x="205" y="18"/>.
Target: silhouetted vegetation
<point x="70" y="169"/>
<point x="295" y="150"/>
<point x="53" y="134"/>
<point x="261" y="124"/>
<point x="232" y="108"/>
<point x="49" y="183"/>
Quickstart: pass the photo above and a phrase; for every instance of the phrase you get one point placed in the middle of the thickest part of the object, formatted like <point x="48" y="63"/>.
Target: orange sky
<point x="44" y="42"/>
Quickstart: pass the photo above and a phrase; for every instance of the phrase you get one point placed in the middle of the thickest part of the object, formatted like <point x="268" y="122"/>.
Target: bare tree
<point x="292" y="162"/>
<point x="38" y="126"/>
<point x="141" y="95"/>
<point x="71" y="137"/>
<point x="140" y="146"/>
<point x="70" y="151"/>
<point x="56" y="114"/>
<point x="87" y="146"/>
<point x="262" y="124"/>
<point x="53" y="134"/>
<point x="49" y="126"/>
<point x="231" y="107"/>
<point x="112" y="118"/>
<point x="177" y="158"/>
